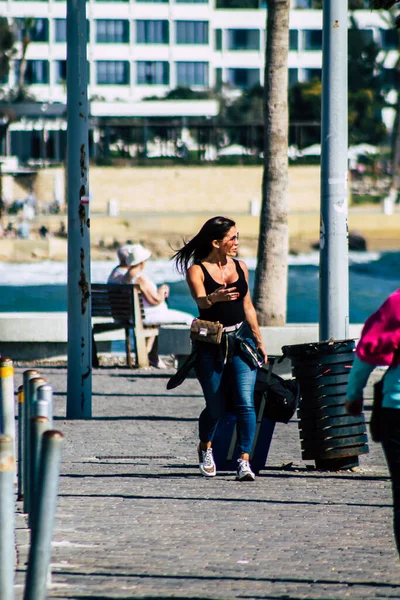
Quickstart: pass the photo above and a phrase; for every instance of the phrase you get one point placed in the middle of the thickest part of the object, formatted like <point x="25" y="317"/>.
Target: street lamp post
<point x="334" y="270"/>
<point x="79" y="384"/>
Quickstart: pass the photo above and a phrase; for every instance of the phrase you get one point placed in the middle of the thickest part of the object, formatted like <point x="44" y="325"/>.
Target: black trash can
<point x="329" y="436"/>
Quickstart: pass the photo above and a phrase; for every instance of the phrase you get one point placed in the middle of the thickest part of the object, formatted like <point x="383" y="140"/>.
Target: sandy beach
<point x="161" y="207"/>
<point x="106" y="237"/>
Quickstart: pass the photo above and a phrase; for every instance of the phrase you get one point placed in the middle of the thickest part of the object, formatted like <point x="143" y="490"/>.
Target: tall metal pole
<point x="334" y="270"/>
<point x="7" y="511"/>
<point x="79" y="385"/>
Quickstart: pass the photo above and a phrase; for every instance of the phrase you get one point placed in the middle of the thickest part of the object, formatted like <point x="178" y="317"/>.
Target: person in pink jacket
<point x="379" y="345"/>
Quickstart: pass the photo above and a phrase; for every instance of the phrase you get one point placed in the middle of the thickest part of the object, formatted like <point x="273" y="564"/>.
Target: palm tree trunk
<point x="396" y="145"/>
<point x="22" y="64"/>
<point x="270" y="291"/>
<point x="26" y="29"/>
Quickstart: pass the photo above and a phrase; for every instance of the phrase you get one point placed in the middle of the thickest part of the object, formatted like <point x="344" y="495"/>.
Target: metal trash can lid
<point x="315" y="349"/>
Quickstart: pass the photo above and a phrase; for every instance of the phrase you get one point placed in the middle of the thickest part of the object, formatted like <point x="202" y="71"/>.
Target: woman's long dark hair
<point x="200" y="246"/>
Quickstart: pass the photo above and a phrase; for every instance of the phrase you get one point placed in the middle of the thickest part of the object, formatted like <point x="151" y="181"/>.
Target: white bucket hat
<point x="133" y="254"/>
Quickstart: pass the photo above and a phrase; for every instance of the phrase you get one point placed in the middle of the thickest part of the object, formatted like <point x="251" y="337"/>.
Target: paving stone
<point x="136" y="520"/>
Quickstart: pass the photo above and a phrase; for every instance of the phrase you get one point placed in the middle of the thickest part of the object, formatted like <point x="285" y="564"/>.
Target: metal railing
<point x="36" y="475"/>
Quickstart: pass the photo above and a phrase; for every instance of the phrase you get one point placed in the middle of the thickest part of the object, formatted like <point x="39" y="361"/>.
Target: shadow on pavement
<point x="282" y="580"/>
<point x="205" y="499"/>
<point x="133" y="418"/>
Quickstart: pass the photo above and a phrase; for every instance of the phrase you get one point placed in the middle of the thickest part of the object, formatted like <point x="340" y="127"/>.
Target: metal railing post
<point x="27" y="376"/>
<point x="7" y="409"/>
<point x="30" y="397"/>
<point x="38" y="426"/>
<point x="21" y="440"/>
<point x="40" y="549"/>
<point x="44" y="403"/>
<point x="7" y="549"/>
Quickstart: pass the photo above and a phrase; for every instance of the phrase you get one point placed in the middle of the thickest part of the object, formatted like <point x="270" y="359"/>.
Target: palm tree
<point x="6" y="47"/>
<point x="386" y="5"/>
<point x="395" y="159"/>
<point x="27" y="25"/>
<point x="270" y="290"/>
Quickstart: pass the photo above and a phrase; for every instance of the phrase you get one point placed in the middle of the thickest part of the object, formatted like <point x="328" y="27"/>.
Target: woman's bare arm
<point x="147" y="287"/>
<point x="195" y="281"/>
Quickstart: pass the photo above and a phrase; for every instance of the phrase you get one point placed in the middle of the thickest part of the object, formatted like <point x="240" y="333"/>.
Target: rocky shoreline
<point x="377" y="231"/>
<point x="39" y="250"/>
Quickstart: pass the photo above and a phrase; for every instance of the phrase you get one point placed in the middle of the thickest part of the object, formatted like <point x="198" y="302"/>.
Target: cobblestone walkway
<point x="135" y="519"/>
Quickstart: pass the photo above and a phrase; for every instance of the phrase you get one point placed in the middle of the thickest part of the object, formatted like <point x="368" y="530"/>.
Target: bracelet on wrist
<point x="209" y="300"/>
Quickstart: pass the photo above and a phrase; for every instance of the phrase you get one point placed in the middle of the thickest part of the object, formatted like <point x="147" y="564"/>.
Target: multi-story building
<point x="142" y="48"/>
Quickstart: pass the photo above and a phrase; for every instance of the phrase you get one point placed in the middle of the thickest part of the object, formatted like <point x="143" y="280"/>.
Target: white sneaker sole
<point x="207" y="473"/>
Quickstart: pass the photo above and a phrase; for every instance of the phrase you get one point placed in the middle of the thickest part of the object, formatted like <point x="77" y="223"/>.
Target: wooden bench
<point x="122" y="307"/>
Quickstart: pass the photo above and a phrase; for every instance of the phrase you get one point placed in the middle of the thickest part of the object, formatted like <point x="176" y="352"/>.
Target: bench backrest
<point x="122" y="302"/>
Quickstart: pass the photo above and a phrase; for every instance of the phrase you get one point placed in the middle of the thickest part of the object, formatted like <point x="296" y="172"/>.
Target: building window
<point x="218" y="39"/>
<point x="60" y="30"/>
<point x="154" y="72"/>
<point x="293" y="77"/>
<point x="243" y="39"/>
<point x="218" y="78"/>
<point x="191" y="32"/>
<point x="192" y="73"/>
<point x="316" y="4"/>
<point x="244" y="78"/>
<point x="389" y="79"/>
<point x="39" y="32"/>
<point x="364" y="37"/>
<point x="152" y="32"/>
<point x="293" y="39"/>
<point x="112" y="72"/>
<point x="112" y="31"/>
<point x="61" y="71"/>
<point x="36" y="72"/>
<point x="313" y="74"/>
<point x="312" y="39"/>
<point x="390" y="39"/>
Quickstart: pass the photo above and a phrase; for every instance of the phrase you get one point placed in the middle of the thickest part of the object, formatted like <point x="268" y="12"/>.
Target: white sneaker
<point x="244" y="472"/>
<point x="206" y="463"/>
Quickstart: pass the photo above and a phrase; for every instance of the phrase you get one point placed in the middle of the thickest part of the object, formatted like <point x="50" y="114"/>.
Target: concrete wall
<point x="26" y="336"/>
<point x="16" y="250"/>
<point x="185" y="189"/>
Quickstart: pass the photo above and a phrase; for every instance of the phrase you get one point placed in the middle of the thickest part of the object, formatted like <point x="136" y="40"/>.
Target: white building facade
<point x="142" y="48"/>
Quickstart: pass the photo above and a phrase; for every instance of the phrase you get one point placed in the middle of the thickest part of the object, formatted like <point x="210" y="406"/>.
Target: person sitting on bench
<point x="132" y="261"/>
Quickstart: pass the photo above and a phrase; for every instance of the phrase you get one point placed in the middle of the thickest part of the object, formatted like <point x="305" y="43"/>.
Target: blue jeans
<point x="219" y="381"/>
<point x="391" y="448"/>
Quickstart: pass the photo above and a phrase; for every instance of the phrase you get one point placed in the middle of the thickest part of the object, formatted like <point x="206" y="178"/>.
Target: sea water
<point x="42" y="286"/>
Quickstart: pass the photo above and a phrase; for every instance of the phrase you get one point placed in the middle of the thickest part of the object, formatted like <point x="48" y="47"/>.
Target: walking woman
<point x="219" y="285"/>
<point x="379" y="345"/>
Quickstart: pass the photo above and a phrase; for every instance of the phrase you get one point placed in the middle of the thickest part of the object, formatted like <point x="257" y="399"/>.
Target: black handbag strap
<point x="262" y="405"/>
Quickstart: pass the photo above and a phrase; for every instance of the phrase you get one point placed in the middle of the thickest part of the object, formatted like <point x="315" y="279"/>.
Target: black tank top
<point x="227" y="313"/>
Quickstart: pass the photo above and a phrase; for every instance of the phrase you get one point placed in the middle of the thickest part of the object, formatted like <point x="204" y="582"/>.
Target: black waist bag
<point x="282" y="395"/>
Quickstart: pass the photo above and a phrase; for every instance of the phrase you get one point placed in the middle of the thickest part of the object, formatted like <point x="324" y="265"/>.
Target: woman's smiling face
<point x="230" y="242"/>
